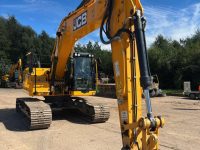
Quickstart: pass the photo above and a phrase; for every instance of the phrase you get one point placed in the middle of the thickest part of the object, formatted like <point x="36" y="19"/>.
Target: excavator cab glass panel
<point x="84" y="75"/>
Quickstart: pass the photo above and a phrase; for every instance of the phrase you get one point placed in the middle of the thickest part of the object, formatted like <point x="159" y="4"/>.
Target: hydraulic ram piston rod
<point x="145" y="78"/>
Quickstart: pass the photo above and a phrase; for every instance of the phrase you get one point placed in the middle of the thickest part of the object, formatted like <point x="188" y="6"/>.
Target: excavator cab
<point x="82" y="74"/>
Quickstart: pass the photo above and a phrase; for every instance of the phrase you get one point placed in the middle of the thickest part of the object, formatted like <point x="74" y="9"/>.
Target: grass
<point x="173" y="92"/>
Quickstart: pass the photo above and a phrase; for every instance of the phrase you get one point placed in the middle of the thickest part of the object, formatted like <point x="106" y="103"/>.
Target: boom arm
<point x="123" y="24"/>
<point x="73" y="27"/>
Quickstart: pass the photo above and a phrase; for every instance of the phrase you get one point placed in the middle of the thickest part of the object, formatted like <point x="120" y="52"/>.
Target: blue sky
<point x="174" y="19"/>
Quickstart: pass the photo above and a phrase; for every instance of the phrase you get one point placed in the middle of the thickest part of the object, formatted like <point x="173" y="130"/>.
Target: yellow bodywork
<point x="5" y="78"/>
<point x="16" y="67"/>
<point x="41" y="80"/>
<point x="79" y="93"/>
<point x="41" y="88"/>
<point x="135" y="129"/>
<point x="10" y="79"/>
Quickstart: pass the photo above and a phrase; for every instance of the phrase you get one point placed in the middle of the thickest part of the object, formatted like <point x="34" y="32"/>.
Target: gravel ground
<point x="69" y="132"/>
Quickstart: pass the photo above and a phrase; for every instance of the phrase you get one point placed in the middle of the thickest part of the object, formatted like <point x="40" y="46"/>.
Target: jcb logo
<point x="80" y="21"/>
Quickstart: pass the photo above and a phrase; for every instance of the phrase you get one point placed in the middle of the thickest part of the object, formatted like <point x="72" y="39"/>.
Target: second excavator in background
<point x="14" y="77"/>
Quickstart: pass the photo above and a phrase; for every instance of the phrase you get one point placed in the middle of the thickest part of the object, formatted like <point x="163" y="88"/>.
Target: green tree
<point x="17" y="40"/>
<point x="176" y="62"/>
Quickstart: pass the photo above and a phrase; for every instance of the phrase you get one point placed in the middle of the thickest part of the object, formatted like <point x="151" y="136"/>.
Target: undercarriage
<point x="39" y="112"/>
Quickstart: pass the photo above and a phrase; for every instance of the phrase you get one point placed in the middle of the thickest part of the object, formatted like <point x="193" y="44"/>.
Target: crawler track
<point x="99" y="113"/>
<point x="38" y="113"/>
<point x="92" y="112"/>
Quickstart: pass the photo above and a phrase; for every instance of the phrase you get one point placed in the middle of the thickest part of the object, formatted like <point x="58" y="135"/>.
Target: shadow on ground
<point x="188" y="98"/>
<point x="72" y="115"/>
<point x="14" y="121"/>
<point x="186" y="109"/>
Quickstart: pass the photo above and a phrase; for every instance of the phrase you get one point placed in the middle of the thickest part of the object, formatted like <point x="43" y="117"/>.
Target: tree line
<point x="173" y="61"/>
<point x="17" y="40"/>
<point x="176" y="61"/>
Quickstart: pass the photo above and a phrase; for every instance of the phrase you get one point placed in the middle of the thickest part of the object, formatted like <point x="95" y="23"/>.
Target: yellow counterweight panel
<point x="42" y="84"/>
<point x="79" y="93"/>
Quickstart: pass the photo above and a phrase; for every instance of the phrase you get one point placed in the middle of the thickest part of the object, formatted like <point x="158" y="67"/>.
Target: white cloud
<point x="172" y="24"/>
<point x="5" y="15"/>
<point x="105" y="47"/>
<point x="36" y="1"/>
<point x="13" y="6"/>
<point x="30" y="1"/>
<point x="35" y="6"/>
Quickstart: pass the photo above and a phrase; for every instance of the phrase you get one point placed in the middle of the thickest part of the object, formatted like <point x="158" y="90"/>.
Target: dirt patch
<point x="69" y="132"/>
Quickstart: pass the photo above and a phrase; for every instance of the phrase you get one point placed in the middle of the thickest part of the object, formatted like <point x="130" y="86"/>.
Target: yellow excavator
<point x="122" y="23"/>
<point x="80" y="78"/>
<point x="4" y="76"/>
<point x="14" y="76"/>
